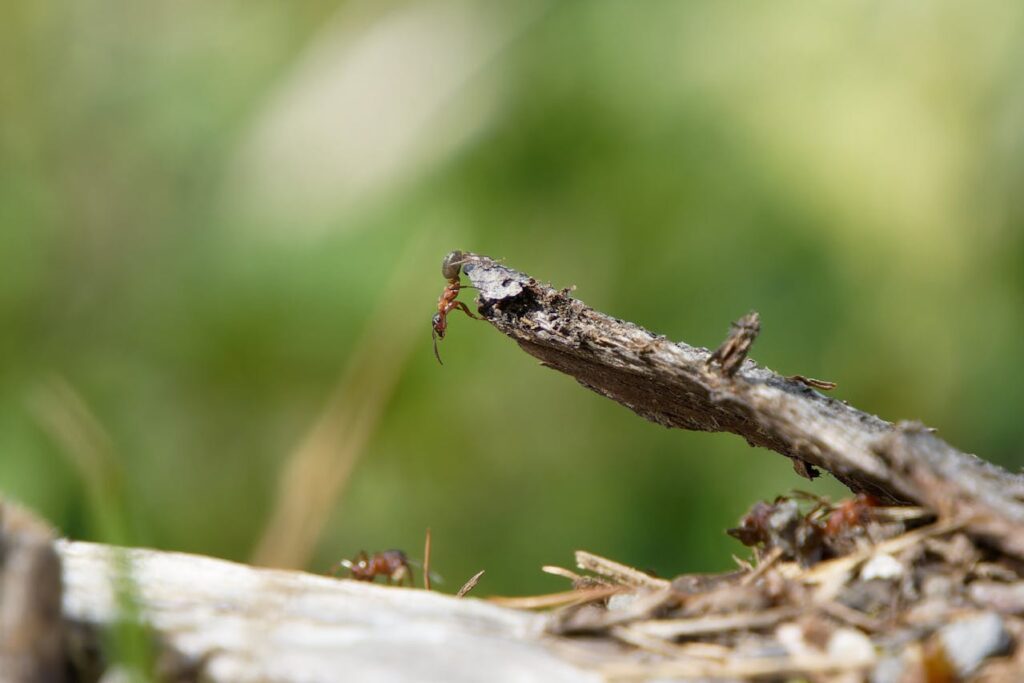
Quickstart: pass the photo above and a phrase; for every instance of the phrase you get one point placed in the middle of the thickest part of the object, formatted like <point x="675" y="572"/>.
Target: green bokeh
<point x="201" y="206"/>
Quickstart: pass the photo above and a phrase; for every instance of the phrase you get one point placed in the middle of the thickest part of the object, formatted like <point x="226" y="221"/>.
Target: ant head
<point x="439" y="325"/>
<point x="451" y="265"/>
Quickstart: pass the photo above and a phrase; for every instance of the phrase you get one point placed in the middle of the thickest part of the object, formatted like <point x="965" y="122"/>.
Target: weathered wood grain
<point x="235" y="623"/>
<point x="675" y="385"/>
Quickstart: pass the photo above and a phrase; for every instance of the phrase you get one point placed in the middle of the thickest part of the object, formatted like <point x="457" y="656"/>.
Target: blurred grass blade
<point x="64" y="415"/>
<point x="316" y="471"/>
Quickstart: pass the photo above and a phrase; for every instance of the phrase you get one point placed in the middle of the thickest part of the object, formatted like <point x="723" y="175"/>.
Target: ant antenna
<point x="338" y="566"/>
<point x="436" y="354"/>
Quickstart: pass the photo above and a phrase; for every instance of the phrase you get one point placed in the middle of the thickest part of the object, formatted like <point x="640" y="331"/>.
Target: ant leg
<point x="436" y="354"/>
<point x="462" y="307"/>
<point x="403" y="573"/>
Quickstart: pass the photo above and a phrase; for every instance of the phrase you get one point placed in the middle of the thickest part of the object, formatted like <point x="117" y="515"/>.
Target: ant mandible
<point x="451" y="266"/>
<point x="392" y="564"/>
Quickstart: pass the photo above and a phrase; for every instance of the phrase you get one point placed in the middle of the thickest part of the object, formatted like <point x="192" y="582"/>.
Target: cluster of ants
<point x="822" y="532"/>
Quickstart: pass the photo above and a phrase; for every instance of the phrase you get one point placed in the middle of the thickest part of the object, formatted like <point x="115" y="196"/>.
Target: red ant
<point x="451" y="266"/>
<point x="851" y="513"/>
<point x="391" y="564"/>
<point x="754" y="527"/>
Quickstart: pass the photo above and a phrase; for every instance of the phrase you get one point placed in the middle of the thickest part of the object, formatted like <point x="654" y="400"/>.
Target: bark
<point x="677" y="385"/>
<point x="31" y="640"/>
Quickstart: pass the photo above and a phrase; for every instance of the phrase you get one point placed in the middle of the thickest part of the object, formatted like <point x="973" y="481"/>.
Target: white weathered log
<point x="238" y="623"/>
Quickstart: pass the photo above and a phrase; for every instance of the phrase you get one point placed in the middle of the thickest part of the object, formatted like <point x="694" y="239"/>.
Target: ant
<point x="754" y="528"/>
<point x="451" y="266"/>
<point x="852" y="513"/>
<point x="391" y="564"/>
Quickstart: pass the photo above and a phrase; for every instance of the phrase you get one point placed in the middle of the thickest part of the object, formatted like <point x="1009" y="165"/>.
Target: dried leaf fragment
<point x="471" y="584"/>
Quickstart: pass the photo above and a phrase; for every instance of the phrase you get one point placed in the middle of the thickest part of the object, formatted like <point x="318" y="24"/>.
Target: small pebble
<point x="791" y="637"/>
<point x="882" y="566"/>
<point x="1007" y="599"/>
<point x="621" y="601"/>
<point x="970" y="641"/>
<point x="889" y="670"/>
<point x="850" y="645"/>
<point x="938" y="586"/>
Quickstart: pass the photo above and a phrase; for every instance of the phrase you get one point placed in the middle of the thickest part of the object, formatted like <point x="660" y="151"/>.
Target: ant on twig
<point x="391" y="564"/>
<point x="451" y="267"/>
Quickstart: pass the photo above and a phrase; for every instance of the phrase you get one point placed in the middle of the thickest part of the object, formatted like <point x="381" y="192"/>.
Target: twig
<point x="426" y="561"/>
<point x="627" y="576"/>
<point x="698" y="626"/>
<point x="764" y="565"/>
<point x="736" y="668"/>
<point x="958" y="485"/>
<point x="667" y="648"/>
<point x="561" y="571"/>
<point x="556" y="599"/>
<point x="813" y="383"/>
<point x="643" y="604"/>
<point x="851" y="616"/>
<point x="672" y="384"/>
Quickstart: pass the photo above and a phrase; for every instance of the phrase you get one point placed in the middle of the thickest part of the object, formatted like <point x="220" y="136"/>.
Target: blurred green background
<point x="221" y="227"/>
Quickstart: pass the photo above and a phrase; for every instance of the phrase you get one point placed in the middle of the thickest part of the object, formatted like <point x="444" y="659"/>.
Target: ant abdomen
<point x="452" y="265"/>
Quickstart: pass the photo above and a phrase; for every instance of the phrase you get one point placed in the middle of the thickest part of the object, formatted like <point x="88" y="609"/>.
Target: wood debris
<point x="733" y="351"/>
<point x="813" y="383"/>
<point x="853" y="591"/>
<point x="617" y="572"/>
<point x="470" y="584"/>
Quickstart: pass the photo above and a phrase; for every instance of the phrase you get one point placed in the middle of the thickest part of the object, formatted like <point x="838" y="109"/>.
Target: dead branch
<point x="677" y="385"/>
